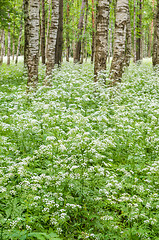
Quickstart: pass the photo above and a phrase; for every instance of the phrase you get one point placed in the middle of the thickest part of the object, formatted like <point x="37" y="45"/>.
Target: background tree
<point x="155" y="57"/>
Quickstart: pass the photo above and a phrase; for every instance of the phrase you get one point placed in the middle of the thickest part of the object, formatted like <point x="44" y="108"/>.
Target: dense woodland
<point x="79" y="119"/>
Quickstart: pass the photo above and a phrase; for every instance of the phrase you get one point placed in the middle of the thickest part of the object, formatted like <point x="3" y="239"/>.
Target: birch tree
<point x="52" y="39"/>
<point x="101" y="37"/>
<point x="33" y="46"/>
<point x="2" y="46"/>
<point x="117" y="64"/>
<point x="43" y="32"/>
<point x="9" y="44"/>
<point x="155" y="56"/>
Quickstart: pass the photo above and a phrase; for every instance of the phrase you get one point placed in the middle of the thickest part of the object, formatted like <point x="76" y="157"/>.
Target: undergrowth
<point x="79" y="160"/>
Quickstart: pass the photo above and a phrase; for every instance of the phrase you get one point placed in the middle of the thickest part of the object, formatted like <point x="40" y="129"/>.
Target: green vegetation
<point x="77" y="158"/>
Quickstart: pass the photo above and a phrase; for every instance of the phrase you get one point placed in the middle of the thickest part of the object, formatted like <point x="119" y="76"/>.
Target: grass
<point x="79" y="160"/>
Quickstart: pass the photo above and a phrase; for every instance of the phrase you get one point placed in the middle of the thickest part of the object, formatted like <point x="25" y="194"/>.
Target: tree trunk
<point x="67" y="36"/>
<point x="117" y="64"/>
<point x="80" y="29"/>
<point x="2" y="46"/>
<point x="9" y="46"/>
<point x="33" y="51"/>
<point x="128" y="42"/>
<point x="139" y="37"/>
<point x="101" y="37"/>
<point x="84" y="34"/>
<point x="43" y="32"/>
<point x="93" y="32"/>
<point x="13" y="42"/>
<point x="155" y="56"/>
<point x="151" y="33"/>
<point x="48" y="27"/>
<point x="26" y="31"/>
<point x="134" y="47"/>
<point x="52" y="38"/>
<point x="19" y="41"/>
<point x="59" y="40"/>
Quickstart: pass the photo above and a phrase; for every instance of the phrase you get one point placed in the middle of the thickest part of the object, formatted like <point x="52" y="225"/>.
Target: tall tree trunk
<point x="117" y="64"/>
<point x="43" y="32"/>
<point x="19" y="42"/>
<point x="2" y="46"/>
<point x="67" y="36"/>
<point x="48" y="27"/>
<point x="134" y="47"/>
<point x="59" y="40"/>
<point x="155" y="56"/>
<point x="13" y="42"/>
<point x="52" y="39"/>
<point x="93" y="33"/>
<point x="33" y="51"/>
<point x="84" y="34"/>
<point x="151" y="33"/>
<point x="26" y="31"/>
<point x="139" y="37"/>
<point x="80" y="29"/>
<point x="101" y="37"/>
<point x="128" y="42"/>
<point x="9" y="46"/>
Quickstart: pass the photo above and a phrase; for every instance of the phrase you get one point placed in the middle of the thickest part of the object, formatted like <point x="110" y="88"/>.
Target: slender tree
<point x="52" y="39"/>
<point x="93" y="32"/>
<point x="67" y="35"/>
<point x="134" y="25"/>
<point x="84" y="34"/>
<point x="48" y="27"/>
<point x="33" y="51"/>
<point x="79" y="33"/>
<point x="139" y="35"/>
<point x="26" y="31"/>
<point x="43" y="32"/>
<point x="101" y="37"/>
<point x="59" y="40"/>
<point x="19" y="42"/>
<point x="9" y="44"/>
<point x="155" y="56"/>
<point x="117" y="64"/>
<point x="2" y="46"/>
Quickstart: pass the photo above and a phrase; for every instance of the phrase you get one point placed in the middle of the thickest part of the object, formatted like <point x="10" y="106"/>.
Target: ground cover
<point x="77" y="158"/>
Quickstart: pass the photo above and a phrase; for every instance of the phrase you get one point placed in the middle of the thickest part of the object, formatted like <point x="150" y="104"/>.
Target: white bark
<point x="101" y="37"/>
<point x="33" y="51"/>
<point x="18" y="47"/>
<point x="52" y="38"/>
<point x="117" y="64"/>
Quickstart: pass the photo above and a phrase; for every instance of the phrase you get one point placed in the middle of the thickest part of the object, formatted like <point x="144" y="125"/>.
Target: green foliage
<point x="77" y="158"/>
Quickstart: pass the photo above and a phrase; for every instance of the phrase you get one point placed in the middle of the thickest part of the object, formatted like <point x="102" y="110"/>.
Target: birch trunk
<point x="48" y="27"/>
<point x="84" y="34"/>
<point x="52" y="38"/>
<point x="26" y="31"/>
<point x="67" y="36"/>
<point x="13" y="42"/>
<point x="101" y="37"/>
<point x="155" y="56"/>
<point x="2" y="46"/>
<point x="19" y="42"/>
<point x="117" y="64"/>
<point x="93" y="33"/>
<point x="9" y="46"/>
<point x="139" y="36"/>
<point x="43" y="32"/>
<point x="33" y="51"/>
<point x="59" y="40"/>
<point x="128" y="42"/>
<point x="80" y="29"/>
<point x="134" y="59"/>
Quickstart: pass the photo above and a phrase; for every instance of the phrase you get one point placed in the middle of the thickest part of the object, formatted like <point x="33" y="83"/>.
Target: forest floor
<point x="77" y="158"/>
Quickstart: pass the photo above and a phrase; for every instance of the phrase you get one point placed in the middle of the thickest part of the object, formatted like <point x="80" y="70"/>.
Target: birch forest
<point x="79" y="119"/>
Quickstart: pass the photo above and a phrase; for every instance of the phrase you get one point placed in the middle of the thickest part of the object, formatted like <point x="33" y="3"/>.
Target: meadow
<point x="79" y="160"/>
